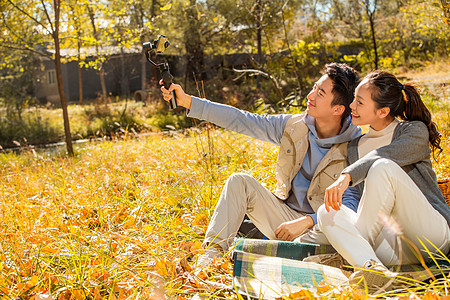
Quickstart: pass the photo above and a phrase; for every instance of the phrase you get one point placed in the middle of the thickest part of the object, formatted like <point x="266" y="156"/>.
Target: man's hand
<point x="288" y="231"/>
<point x="333" y="194"/>
<point x="183" y="99"/>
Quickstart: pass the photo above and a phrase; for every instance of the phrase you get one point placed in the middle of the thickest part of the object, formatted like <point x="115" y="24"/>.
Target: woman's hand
<point x="182" y="98"/>
<point x="288" y="231"/>
<point x="333" y="194"/>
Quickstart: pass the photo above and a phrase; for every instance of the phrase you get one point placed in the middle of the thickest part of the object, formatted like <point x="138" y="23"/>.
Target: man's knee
<point x="236" y="188"/>
<point x="238" y="179"/>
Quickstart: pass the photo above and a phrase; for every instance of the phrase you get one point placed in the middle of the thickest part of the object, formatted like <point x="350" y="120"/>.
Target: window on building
<point x="51" y="77"/>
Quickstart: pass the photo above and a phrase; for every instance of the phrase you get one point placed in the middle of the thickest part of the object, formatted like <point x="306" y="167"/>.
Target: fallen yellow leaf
<point x="33" y="281"/>
<point x="161" y="268"/>
<point x="97" y="295"/>
<point x="196" y="246"/>
<point x="200" y="219"/>
<point x="148" y="229"/>
<point x="49" y="249"/>
<point x="78" y="295"/>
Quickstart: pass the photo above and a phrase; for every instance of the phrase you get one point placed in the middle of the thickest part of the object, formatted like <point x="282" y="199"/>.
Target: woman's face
<point x="364" y="110"/>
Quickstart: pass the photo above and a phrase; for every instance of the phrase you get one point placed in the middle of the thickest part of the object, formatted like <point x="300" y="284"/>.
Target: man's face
<point x="320" y="98"/>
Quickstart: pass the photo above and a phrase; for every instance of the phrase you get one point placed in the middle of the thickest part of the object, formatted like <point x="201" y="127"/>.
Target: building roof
<point x="103" y="50"/>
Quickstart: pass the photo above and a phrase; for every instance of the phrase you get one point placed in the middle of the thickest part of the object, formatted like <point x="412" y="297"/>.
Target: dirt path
<point x="435" y="78"/>
<point x="438" y="85"/>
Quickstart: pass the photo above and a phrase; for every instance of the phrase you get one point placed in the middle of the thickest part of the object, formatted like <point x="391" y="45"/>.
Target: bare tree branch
<point x="253" y="72"/>
<point x="48" y="17"/>
<point x="294" y="63"/>
<point x="27" y="49"/>
<point x="29" y="16"/>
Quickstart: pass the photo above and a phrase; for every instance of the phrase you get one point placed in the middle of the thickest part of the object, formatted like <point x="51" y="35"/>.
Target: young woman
<point x="401" y="204"/>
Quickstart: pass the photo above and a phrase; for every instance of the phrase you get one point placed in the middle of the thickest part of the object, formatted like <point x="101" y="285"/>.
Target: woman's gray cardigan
<point x="411" y="151"/>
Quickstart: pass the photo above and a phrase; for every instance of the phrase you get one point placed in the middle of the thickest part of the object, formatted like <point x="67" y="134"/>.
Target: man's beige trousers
<point x="243" y="194"/>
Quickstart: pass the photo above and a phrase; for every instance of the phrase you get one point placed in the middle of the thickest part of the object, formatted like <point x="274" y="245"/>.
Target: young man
<point x="313" y="149"/>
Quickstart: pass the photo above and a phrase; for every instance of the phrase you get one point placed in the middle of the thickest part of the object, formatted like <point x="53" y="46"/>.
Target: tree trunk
<point x="80" y="84"/>
<point x="143" y="73"/>
<point x="101" y="71"/>
<point x="374" y="40"/>
<point x="193" y="44"/>
<point x="139" y="16"/>
<point x="446" y="8"/>
<point x="80" y="74"/>
<point x="62" y="95"/>
<point x="258" y="39"/>
<point x="370" y="12"/>
<point x="124" y="90"/>
<point x="102" y="82"/>
<point x="153" y="9"/>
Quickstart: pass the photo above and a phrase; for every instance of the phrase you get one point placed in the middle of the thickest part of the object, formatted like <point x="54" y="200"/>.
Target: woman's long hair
<point x="404" y="102"/>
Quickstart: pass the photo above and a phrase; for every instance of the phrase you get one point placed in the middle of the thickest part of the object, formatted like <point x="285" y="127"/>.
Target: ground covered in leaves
<point x="124" y="219"/>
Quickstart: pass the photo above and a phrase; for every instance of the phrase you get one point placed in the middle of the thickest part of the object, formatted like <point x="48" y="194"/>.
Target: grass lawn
<point x="124" y="219"/>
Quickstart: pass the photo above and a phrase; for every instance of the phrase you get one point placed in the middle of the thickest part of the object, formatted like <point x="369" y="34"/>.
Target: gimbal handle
<point x="166" y="77"/>
<point x="167" y="81"/>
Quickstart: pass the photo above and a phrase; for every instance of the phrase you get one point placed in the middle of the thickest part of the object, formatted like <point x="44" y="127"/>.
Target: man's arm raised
<point x="268" y="128"/>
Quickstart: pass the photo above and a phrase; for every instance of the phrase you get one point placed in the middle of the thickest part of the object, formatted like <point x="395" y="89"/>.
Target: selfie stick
<point x="158" y="46"/>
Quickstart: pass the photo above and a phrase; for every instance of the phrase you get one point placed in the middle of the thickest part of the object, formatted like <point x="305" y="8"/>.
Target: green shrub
<point x="32" y="128"/>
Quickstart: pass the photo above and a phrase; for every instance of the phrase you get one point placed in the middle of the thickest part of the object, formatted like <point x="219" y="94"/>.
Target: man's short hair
<point x="345" y="80"/>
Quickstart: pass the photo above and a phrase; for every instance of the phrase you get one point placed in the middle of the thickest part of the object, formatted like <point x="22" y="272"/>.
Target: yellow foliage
<point x="196" y="246"/>
<point x="431" y="296"/>
<point x="148" y="228"/>
<point x="65" y="295"/>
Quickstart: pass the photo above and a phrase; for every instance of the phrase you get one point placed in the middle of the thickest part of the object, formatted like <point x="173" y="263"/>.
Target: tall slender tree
<point x="92" y="9"/>
<point x="75" y="35"/>
<point x="44" y="15"/>
<point x="370" y="7"/>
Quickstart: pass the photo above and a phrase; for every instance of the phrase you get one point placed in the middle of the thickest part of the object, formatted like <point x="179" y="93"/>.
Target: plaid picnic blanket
<point x="267" y="269"/>
<point x="291" y="250"/>
<point x="266" y="277"/>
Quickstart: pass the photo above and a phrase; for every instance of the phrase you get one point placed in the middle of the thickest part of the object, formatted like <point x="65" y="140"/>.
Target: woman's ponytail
<point x="403" y="101"/>
<point x="415" y="110"/>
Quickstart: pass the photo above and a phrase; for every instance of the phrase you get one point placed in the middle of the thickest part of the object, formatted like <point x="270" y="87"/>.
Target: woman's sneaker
<point x="378" y="278"/>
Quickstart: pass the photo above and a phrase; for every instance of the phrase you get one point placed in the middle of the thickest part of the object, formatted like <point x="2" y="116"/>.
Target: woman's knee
<point x="382" y="167"/>
<point x="325" y="218"/>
